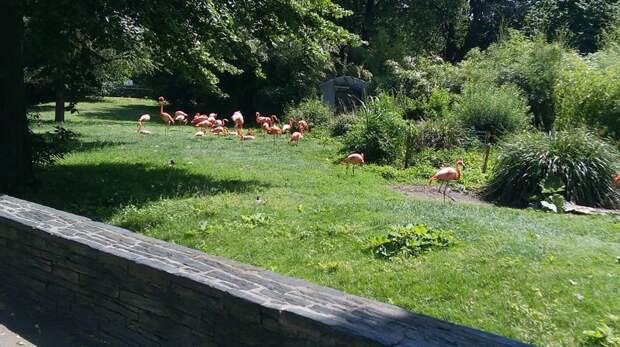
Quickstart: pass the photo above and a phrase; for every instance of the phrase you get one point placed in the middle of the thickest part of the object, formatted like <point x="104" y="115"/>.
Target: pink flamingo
<point x="303" y="126"/>
<point x="167" y="118"/>
<point x="447" y="174"/>
<point x="181" y="117"/>
<point x="617" y="180"/>
<point x="295" y="137"/>
<point x="237" y="117"/>
<point x="143" y="118"/>
<point x="353" y="159"/>
<point x="287" y="127"/>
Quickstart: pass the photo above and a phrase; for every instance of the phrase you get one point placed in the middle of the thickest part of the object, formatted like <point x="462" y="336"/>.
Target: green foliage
<point x="379" y="133"/>
<point x="435" y="105"/>
<point x="533" y="65"/>
<point x="49" y="146"/>
<point x="314" y="111"/>
<point x="342" y="123"/>
<point x="410" y="240"/>
<point x="588" y="92"/>
<point x="584" y="163"/>
<point x="578" y="23"/>
<point x="493" y="110"/>
<point x="605" y="334"/>
<point x="440" y="134"/>
<point x="418" y="77"/>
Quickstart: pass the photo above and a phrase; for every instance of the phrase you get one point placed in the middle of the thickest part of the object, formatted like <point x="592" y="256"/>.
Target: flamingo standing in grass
<point x="237" y="117"/>
<point x="181" y="117"/>
<point x="287" y="127"/>
<point x="447" y="174"/>
<point x="295" y="137"/>
<point x="167" y="118"/>
<point x="353" y="159"/>
<point x="303" y="126"/>
<point x="143" y="118"/>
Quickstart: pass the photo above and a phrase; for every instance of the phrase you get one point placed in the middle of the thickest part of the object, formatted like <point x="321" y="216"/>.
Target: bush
<point x="436" y="105"/>
<point x="409" y="240"/>
<point x="440" y="134"/>
<point x="314" y="111"/>
<point x="584" y="163"/>
<point x="341" y="124"/>
<point x="494" y="110"/>
<point x="379" y="134"/>
<point x="588" y="93"/>
<point x="49" y="146"/>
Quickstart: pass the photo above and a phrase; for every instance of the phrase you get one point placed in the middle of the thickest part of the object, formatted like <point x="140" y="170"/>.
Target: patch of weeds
<point x="257" y="219"/>
<point x="335" y="230"/>
<point x="409" y="240"/>
<point x="329" y="266"/>
<point x="603" y="335"/>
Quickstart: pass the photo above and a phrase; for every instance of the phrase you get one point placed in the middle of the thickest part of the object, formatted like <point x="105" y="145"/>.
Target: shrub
<point x="588" y="93"/>
<point x="494" y="110"/>
<point x="341" y="124"/>
<point x="440" y="134"/>
<point x="50" y="146"/>
<point x="436" y="105"/>
<point x="584" y="163"/>
<point x="379" y="133"/>
<point x="409" y="240"/>
<point x="314" y="111"/>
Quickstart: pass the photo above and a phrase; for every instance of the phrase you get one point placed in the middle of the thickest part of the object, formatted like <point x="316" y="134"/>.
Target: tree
<point x="580" y="23"/>
<point x="14" y="146"/>
<point x="202" y="39"/>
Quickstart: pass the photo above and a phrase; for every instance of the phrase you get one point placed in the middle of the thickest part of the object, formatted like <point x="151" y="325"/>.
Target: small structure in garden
<point x="344" y="92"/>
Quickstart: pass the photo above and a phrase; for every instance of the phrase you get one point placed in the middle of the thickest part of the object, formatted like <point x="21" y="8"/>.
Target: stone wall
<point x="130" y="290"/>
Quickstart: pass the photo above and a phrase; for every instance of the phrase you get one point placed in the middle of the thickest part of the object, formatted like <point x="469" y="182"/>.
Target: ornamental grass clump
<point x="584" y="163"/>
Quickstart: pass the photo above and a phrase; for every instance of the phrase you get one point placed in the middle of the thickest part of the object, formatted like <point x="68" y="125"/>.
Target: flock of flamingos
<point x="205" y="123"/>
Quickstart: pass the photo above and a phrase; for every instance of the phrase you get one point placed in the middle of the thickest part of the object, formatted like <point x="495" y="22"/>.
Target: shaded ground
<point x="432" y="193"/>
<point x="21" y="326"/>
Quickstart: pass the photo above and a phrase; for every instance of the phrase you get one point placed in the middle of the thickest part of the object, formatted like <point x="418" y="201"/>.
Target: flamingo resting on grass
<point x="353" y="159"/>
<point x="447" y="174"/>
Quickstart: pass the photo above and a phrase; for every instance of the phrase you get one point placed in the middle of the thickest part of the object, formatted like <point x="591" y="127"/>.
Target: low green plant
<point x="583" y="162"/>
<point x="312" y="110"/>
<point x="379" y="134"/>
<point x="604" y="335"/>
<point x="341" y="124"/>
<point x="492" y="110"/>
<point x="409" y="240"/>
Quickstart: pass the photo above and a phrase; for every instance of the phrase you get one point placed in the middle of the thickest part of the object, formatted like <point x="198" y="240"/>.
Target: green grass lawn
<point x="529" y="275"/>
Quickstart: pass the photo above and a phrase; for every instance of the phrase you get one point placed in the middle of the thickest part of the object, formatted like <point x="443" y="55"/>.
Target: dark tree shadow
<point x="97" y="191"/>
<point x="125" y="113"/>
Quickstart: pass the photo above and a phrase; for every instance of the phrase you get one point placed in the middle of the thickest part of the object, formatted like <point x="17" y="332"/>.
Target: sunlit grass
<point x="529" y="275"/>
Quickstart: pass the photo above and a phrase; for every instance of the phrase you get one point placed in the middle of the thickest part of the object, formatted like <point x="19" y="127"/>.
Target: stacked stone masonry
<point x="131" y="290"/>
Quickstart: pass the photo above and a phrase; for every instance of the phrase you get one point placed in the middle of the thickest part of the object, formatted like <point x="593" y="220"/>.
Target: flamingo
<point x="295" y="137"/>
<point x="143" y="131"/>
<point x="262" y="120"/>
<point x="167" y="118"/>
<point x="199" y="118"/>
<point x="354" y="159"/>
<point x="287" y="127"/>
<point x="617" y="180"/>
<point x="447" y="174"/>
<point x="200" y="133"/>
<point x="303" y="126"/>
<point x="143" y="118"/>
<point x="181" y="117"/>
<point x="249" y="136"/>
<point x="237" y="117"/>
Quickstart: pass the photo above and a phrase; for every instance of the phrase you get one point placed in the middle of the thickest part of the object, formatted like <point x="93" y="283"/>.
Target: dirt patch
<point x="432" y="193"/>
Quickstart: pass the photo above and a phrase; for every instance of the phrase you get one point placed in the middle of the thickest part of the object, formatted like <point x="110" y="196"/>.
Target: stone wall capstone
<point x="127" y="289"/>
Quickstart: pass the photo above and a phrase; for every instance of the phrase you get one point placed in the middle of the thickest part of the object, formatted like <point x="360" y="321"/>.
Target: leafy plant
<point x="492" y="110"/>
<point x="410" y="240"/>
<point x="341" y="124"/>
<point x="603" y="335"/>
<point x="379" y="134"/>
<point x="440" y="133"/>
<point x="312" y="110"/>
<point x="583" y="162"/>
<point x="50" y="146"/>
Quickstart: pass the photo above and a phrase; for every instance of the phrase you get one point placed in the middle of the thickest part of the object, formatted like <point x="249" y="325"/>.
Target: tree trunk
<point x="15" y="151"/>
<point x="59" y="115"/>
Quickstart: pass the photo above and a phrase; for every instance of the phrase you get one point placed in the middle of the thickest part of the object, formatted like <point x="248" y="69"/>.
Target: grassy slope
<point x="529" y="275"/>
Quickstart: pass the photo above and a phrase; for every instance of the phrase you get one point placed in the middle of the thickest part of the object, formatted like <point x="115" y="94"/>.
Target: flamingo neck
<point x="458" y="170"/>
<point x="161" y="108"/>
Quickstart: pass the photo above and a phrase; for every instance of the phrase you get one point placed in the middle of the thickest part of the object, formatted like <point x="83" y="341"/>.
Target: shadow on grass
<point x="98" y="191"/>
<point x="126" y="113"/>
